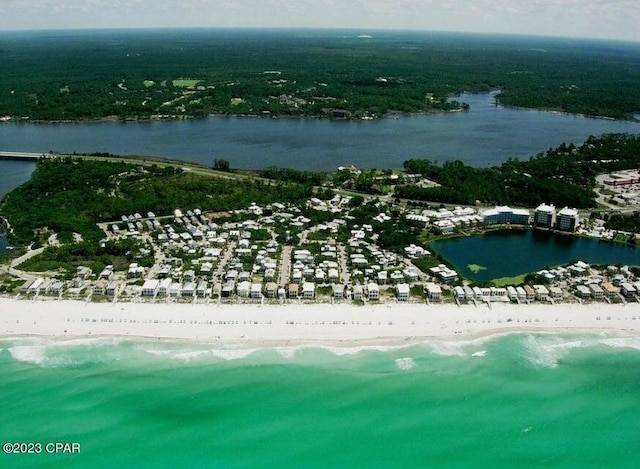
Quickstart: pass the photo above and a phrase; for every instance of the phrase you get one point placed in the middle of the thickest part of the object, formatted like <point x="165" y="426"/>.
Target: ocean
<point x="518" y="400"/>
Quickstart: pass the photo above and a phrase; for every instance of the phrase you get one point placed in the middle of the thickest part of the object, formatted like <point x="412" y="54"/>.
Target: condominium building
<point x="567" y="219"/>
<point x="506" y="215"/>
<point x="544" y="216"/>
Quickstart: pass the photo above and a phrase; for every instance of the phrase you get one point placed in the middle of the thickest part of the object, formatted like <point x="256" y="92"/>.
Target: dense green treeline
<point x="70" y="195"/>
<point x="192" y="73"/>
<point x="564" y="176"/>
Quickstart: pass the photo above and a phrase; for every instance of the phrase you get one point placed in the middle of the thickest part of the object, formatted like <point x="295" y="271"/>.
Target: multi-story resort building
<point x="544" y="216"/>
<point x="567" y="219"/>
<point x="505" y="215"/>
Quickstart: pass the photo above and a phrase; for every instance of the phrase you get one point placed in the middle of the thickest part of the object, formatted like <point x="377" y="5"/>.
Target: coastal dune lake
<point x="509" y="253"/>
<point x="485" y="135"/>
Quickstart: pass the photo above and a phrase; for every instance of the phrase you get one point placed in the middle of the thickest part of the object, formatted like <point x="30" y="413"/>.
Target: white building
<point x="544" y="216"/>
<point x="567" y="219"/>
<point x="505" y="215"/>
<point x="403" y="291"/>
<point x="373" y="291"/>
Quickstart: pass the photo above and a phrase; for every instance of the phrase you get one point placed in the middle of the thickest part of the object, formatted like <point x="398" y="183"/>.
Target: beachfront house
<point x="434" y="291"/>
<point x="402" y="290"/>
<point x="556" y="293"/>
<point x="292" y="291"/>
<point x="202" y="289"/>
<point x="542" y="292"/>
<point x="582" y="291"/>
<point x="244" y="289"/>
<point x="338" y="291"/>
<point x="596" y="291"/>
<point x="530" y="293"/>
<point x="189" y="290"/>
<point x="308" y="290"/>
<point x="164" y="286"/>
<point x="628" y="290"/>
<point x="271" y="289"/>
<point x="357" y="292"/>
<point x="610" y="291"/>
<point x="256" y="290"/>
<point x="150" y="287"/>
<point x="112" y="289"/>
<point x="373" y="291"/>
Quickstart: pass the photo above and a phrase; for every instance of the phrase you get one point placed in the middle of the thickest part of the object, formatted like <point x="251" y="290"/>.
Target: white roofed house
<point x="542" y="292"/>
<point x="189" y="290"/>
<point x="203" y="290"/>
<point x="434" y="292"/>
<point x="373" y="291"/>
<point x="402" y="291"/>
<point x="308" y="290"/>
<point x="150" y="287"/>
<point x="256" y="290"/>
<point x="112" y="288"/>
<point x="164" y="287"/>
<point x="338" y="291"/>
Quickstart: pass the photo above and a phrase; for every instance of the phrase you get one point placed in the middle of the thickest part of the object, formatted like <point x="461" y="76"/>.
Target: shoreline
<point x="306" y="325"/>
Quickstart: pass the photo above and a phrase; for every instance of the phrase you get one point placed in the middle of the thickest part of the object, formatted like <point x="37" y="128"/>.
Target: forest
<point x="155" y="74"/>
<point x="564" y="176"/>
<point x="69" y="195"/>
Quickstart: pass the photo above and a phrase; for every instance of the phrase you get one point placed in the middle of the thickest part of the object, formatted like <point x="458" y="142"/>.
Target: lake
<point x="512" y="252"/>
<point x="485" y="135"/>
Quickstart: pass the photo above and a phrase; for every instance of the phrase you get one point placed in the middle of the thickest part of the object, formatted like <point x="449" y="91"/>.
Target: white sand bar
<point x="314" y="323"/>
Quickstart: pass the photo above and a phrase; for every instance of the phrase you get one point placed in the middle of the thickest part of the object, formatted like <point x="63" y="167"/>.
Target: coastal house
<point x="542" y="292"/>
<point x="308" y="290"/>
<point x="610" y="290"/>
<point x="596" y="291"/>
<point x="434" y="291"/>
<point x="628" y="290"/>
<point x="530" y="293"/>
<point x="150" y="287"/>
<point x="244" y="289"/>
<point x="112" y="289"/>
<point x="164" y="286"/>
<point x="202" y="290"/>
<point x="582" y="291"/>
<point x="357" y="292"/>
<point x="556" y="293"/>
<point x="99" y="288"/>
<point x="271" y="289"/>
<point x="292" y="290"/>
<point x="373" y="291"/>
<point x="338" y="291"/>
<point x="56" y="288"/>
<point x="256" y="290"/>
<point x="512" y="293"/>
<point x="189" y="290"/>
<point x="402" y="291"/>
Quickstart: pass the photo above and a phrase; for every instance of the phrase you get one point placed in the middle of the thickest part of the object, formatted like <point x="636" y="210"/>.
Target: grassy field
<point x="185" y="83"/>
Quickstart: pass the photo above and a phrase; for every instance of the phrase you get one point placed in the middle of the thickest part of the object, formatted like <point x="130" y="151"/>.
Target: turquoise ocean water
<point x="522" y="401"/>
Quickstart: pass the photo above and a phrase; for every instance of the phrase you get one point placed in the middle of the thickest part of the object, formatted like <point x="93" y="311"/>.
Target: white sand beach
<point x="254" y="325"/>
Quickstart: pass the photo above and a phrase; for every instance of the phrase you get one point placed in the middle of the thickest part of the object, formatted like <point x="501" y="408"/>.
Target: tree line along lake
<point x="484" y="135"/>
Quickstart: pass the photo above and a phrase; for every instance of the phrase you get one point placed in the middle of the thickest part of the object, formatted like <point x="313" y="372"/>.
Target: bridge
<point x="17" y="155"/>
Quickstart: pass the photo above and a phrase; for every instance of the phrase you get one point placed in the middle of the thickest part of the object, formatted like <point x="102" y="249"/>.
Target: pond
<point x="513" y="252"/>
